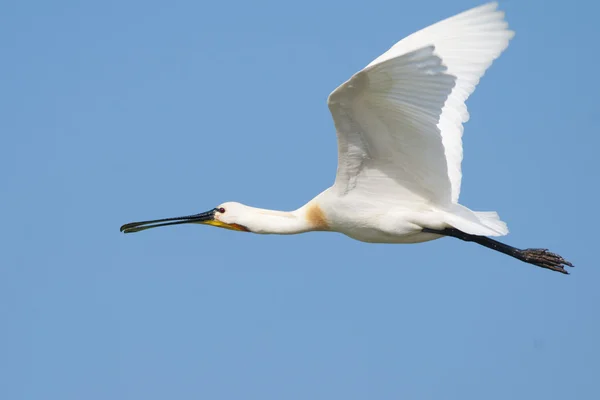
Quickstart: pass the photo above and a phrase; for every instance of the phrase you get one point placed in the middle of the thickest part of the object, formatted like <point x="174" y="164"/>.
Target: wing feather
<point x="399" y="120"/>
<point x="386" y="117"/>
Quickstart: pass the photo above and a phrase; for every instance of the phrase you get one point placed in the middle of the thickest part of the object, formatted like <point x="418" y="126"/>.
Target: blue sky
<point x="116" y="111"/>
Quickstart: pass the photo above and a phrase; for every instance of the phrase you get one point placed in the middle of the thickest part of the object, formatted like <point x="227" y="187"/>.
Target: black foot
<point x="545" y="259"/>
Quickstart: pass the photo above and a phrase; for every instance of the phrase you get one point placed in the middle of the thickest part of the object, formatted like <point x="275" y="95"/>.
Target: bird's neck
<point x="307" y="218"/>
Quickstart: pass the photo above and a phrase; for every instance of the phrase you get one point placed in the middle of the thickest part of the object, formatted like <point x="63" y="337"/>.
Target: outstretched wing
<point x="399" y="120"/>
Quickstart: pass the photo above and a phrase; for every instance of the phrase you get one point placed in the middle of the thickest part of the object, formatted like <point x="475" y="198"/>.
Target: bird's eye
<point x="221" y="210"/>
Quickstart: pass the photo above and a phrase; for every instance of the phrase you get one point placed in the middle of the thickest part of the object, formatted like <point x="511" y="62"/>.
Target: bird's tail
<point x="481" y="223"/>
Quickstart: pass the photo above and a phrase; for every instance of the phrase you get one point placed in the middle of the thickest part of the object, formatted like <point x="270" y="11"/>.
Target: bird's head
<point x="228" y="215"/>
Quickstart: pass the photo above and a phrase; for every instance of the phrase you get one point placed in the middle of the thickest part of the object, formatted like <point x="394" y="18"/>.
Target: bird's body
<point x="399" y="125"/>
<point x="371" y="221"/>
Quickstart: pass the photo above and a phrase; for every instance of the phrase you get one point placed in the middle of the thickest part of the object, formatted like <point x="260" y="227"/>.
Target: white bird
<point x="399" y="124"/>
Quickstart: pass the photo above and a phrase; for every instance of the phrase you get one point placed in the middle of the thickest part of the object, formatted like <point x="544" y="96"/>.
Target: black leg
<point x="540" y="257"/>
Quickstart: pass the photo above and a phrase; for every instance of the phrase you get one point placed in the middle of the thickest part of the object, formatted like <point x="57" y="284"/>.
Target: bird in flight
<point x="399" y="124"/>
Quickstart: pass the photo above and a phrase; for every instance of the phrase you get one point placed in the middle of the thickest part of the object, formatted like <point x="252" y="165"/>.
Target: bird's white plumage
<point x="399" y="120"/>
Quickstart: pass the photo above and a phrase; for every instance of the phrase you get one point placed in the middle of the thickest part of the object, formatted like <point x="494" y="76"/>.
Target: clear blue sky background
<point x="116" y="111"/>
